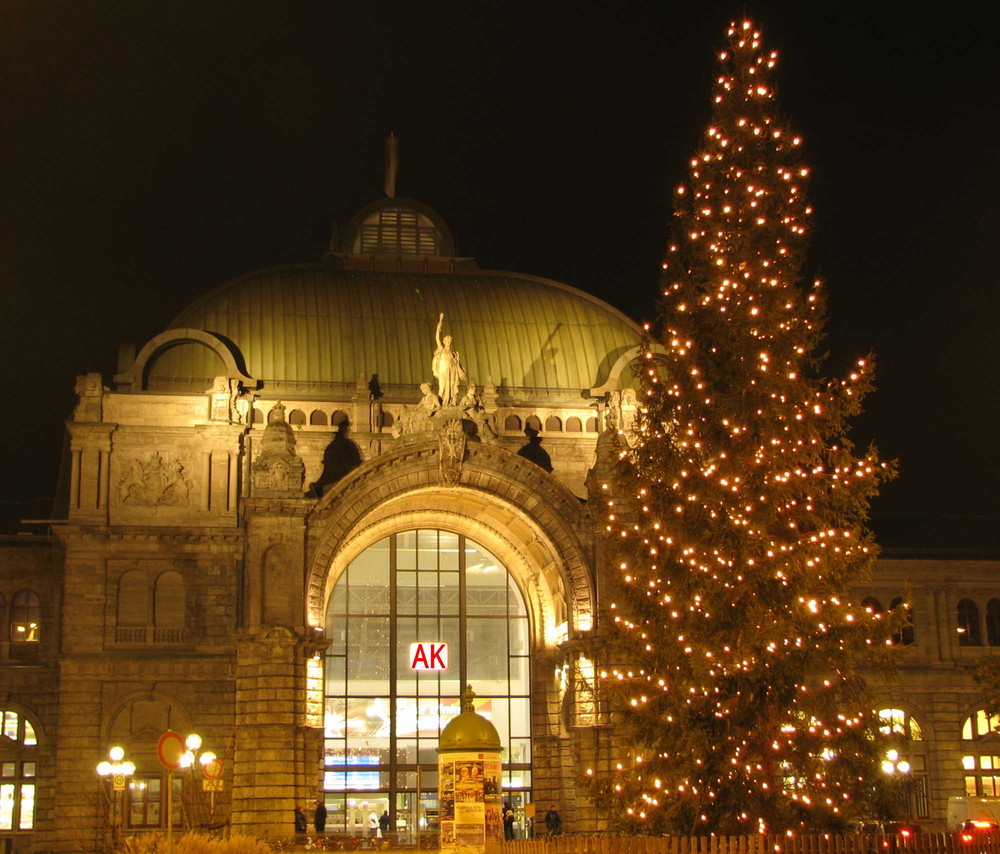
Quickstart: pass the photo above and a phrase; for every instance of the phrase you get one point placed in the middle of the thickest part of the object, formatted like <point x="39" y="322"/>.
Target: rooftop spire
<point x="391" y="163"/>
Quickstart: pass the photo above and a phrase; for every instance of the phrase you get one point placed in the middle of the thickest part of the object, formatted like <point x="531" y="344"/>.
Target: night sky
<point x="152" y="150"/>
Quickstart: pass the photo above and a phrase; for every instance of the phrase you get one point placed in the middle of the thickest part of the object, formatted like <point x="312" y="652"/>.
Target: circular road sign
<point x="213" y="770"/>
<point x="169" y="750"/>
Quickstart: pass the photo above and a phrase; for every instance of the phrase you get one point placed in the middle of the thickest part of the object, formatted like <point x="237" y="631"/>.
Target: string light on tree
<point x="736" y="516"/>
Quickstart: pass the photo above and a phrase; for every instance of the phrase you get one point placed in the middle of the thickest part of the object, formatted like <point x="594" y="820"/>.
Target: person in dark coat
<point x="301" y="824"/>
<point x="319" y="818"/>
<point x="383" y="824"/>
<point x="508" y="822"/>
<point x="553" y="822"/>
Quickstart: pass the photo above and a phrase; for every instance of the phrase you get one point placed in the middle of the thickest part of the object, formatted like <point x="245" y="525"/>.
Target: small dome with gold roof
<point x="469" y="730"/>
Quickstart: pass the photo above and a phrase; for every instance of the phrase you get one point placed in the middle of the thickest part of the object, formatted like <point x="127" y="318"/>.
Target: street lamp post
<point x="194" y="755"/>
<point x="892" y="764"/>
<point x="118" y="770"/>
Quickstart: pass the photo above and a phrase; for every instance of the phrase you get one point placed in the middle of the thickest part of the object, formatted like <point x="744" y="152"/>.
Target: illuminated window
<point x="25" y="617"/>
<point x="18" y="768"/>
<point x="969" y="633"/>
<point x="904" y="636"/>
<point x="144" y="801"/>
<point x="907" y="738"/>
<point x="981" y="767"/>
<point x="382" y="719"/>
<point x="898" y="722"/>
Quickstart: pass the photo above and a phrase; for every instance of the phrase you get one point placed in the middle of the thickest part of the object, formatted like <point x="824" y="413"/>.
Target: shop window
<point x="993" y="622"/>
<point x="18" y="769"/>
<point x="904" y="636"/>
<point x="969" y="633"/>
<point x="25" y="617"/>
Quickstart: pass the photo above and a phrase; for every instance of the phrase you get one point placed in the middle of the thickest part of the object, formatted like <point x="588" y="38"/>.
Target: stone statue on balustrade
<point x="472" y="405"/>
<point x="446" y="366"/>
<point x="418" y="418"/>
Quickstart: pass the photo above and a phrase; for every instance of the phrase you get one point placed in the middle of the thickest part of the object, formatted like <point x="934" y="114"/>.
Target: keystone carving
<point x="451" y="445"/>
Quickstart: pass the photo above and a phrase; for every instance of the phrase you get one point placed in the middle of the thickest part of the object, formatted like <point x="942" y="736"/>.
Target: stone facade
<point x="209" y="519"/>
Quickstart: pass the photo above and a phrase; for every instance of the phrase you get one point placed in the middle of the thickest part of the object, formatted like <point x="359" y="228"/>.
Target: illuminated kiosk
<point x="469" y="796"/>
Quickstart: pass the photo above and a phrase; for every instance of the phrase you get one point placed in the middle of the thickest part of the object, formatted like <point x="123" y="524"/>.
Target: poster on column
<point x="470" y="799"/>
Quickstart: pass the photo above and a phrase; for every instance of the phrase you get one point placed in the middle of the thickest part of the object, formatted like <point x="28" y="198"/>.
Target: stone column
<point x="271" y="770"/>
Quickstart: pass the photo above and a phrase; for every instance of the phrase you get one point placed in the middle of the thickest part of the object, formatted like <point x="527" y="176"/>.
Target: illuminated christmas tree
<point x="737" y="514"/>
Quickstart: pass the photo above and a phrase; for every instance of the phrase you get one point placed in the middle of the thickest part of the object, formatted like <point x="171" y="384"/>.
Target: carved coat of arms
<point x="155" y="483"/>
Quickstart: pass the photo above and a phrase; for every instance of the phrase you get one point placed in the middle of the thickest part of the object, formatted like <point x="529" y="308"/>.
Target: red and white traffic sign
<point x="169" y="750"/>
<point x="429" y="656"/>
<point x="213" y="769"/>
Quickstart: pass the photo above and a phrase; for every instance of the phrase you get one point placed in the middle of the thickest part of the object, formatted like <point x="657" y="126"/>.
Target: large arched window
<point x="383" y="719"/>
<point x="907" y="739"/>
<point x="969" y="633"/>
<point x="981" y="759"/>
<point x="18" y="769"/>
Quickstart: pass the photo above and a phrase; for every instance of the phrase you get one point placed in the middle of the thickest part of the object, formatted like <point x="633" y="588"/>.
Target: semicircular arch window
<point x="18" y="770"/>
<point x="382" y="719"/>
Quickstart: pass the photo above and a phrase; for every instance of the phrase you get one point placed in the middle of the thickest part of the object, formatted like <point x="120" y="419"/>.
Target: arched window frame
<point x="904" y="637"/>
<point x="993" y="622"/>
<point x="19" y="736"/>
<point x="906" y="736"/>
<point x="969" y="630"/>
<point x="392" y="592"/>
<point x="871" y="604"/>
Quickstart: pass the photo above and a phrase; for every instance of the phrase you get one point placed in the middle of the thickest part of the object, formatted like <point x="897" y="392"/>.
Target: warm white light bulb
<point x="117" y="753"/>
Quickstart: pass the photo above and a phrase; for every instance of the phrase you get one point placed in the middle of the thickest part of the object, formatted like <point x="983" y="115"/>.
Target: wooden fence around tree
<point x="827" y="843"/>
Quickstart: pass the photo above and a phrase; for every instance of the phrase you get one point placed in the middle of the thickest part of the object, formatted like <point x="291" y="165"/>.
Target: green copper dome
<point x="469" y="730"/>
<point x="308" y="326"/>
<point x="372" y="308"/>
